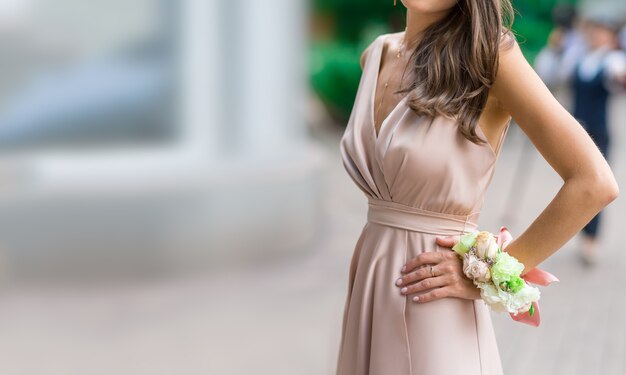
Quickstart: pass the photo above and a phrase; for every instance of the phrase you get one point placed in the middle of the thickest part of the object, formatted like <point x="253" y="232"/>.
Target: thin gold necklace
<point x="382" y="99"/>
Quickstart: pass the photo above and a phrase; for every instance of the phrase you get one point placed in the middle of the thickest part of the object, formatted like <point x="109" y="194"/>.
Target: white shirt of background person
<point x="556" y="68"/>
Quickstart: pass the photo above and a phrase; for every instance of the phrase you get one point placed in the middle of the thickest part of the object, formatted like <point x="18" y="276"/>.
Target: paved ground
<point x="283" y="316"/>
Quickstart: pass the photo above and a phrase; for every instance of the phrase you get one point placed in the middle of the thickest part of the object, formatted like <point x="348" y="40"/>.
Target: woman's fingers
<point x="429" y="257"/>
<point x="433" y="257"/>
<point x="448" y="276"/>
<point x="435" y="294"/>
<point x="425" y="284"/>
<point x="412" y="277"/>
<point x="446" y="241"/>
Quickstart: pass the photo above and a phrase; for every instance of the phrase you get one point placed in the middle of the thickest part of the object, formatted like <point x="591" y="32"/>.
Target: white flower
<point x="515" y="303"/>
<point x="493" y="249"/>
<point x="486" y="245"/>
<point x="475" y="268"/>
<point x="521" y="301"/>
<point x="493" y="296"/>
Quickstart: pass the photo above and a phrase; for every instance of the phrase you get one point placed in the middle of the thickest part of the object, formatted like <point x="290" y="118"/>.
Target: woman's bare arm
<point x="589" y="184"/>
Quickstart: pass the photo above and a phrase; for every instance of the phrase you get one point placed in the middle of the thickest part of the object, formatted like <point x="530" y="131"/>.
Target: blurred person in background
<point x="593" y="68"/>
<point x="431" y="112"/>
<point x="566" y="39"/>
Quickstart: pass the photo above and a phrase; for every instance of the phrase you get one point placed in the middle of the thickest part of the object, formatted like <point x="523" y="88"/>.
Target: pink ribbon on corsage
<point x="535" y="276"/>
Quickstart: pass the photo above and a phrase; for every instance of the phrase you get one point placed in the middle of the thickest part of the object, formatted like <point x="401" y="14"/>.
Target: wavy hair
<point x="456" y="61"/>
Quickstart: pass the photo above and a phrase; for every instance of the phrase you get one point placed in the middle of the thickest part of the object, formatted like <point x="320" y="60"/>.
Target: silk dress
<point x="421" y="178"/>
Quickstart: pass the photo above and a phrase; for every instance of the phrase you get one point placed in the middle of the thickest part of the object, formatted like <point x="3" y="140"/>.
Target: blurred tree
<point x="342" y="29"/>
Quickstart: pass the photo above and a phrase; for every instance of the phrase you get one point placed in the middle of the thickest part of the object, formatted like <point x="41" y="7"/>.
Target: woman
<point x="432" y="109"/>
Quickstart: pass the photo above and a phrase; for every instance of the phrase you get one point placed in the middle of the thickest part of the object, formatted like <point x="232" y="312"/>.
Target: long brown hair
<point x="456" y="61"/>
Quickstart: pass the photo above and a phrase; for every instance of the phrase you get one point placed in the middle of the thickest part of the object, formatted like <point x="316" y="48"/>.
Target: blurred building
<point x="153" y="135"/>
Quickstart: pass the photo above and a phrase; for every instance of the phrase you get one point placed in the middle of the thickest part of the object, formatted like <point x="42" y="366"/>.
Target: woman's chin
<point x="428" y="6"/>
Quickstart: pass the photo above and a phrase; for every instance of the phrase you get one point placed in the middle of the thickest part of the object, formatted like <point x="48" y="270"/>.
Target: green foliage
<point x="335" y="70"/>
<point x="335" y="74"/>
<point x="533" y="23"/>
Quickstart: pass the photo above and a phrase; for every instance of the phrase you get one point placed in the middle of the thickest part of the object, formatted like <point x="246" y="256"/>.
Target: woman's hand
<point x="447" y="278"/>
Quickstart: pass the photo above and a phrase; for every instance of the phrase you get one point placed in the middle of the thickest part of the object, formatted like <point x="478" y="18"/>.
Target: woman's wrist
<point x="496" y="273"/>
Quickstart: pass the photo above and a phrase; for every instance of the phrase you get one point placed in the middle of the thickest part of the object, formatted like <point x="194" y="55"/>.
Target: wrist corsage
<point x="498" y="275"/>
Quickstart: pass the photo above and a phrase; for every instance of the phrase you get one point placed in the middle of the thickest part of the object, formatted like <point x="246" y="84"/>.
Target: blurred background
<point x="172" y="198"/>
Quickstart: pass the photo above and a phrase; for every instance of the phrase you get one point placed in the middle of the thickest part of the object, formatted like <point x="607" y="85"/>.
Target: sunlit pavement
<point x="283" y="316"/>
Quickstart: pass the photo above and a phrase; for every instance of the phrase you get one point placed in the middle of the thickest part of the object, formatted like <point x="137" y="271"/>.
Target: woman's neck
<point x="416" y="23"/>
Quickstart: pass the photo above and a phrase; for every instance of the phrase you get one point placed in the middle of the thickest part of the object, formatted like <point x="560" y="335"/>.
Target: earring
<point x="394" y="2"/>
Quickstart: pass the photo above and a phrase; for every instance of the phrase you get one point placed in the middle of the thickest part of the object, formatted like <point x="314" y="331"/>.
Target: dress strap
<point x="502" y="136"/>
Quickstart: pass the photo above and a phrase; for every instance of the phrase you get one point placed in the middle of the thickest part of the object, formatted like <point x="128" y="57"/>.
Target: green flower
<point x="465" y="243"/>
<point x="505" y="269"/>
<point x="515" y="284"/>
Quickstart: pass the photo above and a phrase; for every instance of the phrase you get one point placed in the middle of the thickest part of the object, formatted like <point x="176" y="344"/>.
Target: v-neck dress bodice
<point x="421" y="178"/>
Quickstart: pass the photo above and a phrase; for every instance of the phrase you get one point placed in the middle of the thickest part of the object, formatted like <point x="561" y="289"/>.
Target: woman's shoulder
<point x="368" y="49"/>
<point x="510" y="55"/>
<point x="382" y="38"/>
<point x="510" y="59"/>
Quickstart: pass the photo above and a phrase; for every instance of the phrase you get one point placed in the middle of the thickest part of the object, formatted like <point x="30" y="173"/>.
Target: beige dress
<point x="422" y="178"/>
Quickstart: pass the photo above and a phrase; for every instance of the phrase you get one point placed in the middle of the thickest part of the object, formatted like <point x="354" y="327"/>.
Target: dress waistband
<point x="418" y="220"/>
